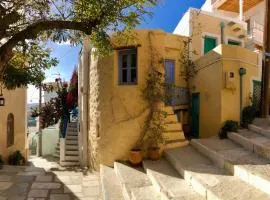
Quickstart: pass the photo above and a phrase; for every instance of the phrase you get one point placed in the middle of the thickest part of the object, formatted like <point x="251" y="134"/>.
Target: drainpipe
<point x="242" y="72"/>
<point x="222" y="26"/>
<point x="241" y="10"/>
<point x="85" y="82"/>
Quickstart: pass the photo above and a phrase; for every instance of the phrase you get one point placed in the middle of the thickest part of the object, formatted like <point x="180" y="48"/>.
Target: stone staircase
<point x="71" y="146"/>
<point x="173" y="135"/>
<point x="234" y="168"/>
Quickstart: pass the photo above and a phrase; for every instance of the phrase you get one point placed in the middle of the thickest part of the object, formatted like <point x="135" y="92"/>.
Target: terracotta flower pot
<point x="135" y="157"/>
<point x="154" y="153"/>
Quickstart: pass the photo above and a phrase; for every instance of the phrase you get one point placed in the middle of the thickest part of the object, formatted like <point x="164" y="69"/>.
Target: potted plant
<point x="135" y="154"/>
<point x="16" y="158"/>
<point x="154" y="134"/>
<point x="229" y="126"/>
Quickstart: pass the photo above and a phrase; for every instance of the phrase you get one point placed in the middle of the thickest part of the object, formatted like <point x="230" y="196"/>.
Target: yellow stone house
<point x="13" y="122"/>
<point x="225" y="50"/>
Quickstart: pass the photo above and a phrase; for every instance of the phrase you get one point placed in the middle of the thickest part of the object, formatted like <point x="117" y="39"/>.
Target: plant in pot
<point x="229" y="126"/>
<point x="154" y="134"/>
<point x="135" y="154"/>
<point x="16" y="158"/>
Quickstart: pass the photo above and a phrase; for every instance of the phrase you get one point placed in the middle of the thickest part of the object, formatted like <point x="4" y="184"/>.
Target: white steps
<point x="130" y="179"/>
<point x="71" y="158"/>
<point x="71" y="146"/>
<point x="72" y="152"/>
<point x="210" y="181"/>
<point x="212" y="169"/>
<point x="70" y="163"/>
<point x="168" y="182"/>
<point x="144" y="193"/>
<point x="252" y="141"/>
<point x="111" y="188"/>
<point x="71" y="142"/>
<point x="263" y="130"/>
<point x="73" y="134"/>
<point x="70" y="137"/>
<point x="241" y="163"/>
<point x="173" y="134"/>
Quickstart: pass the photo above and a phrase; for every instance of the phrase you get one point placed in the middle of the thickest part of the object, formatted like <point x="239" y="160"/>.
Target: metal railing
<point x="176" y="96"/>
<point x="256" y="32"/>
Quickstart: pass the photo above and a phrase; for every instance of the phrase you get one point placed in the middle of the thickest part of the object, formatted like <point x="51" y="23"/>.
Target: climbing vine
<point x="154" y="94"/>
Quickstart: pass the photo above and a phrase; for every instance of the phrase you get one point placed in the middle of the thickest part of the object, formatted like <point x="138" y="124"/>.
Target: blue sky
<point x="166" y="16"/>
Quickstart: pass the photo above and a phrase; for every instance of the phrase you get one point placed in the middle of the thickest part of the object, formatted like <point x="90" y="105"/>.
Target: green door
<point x="195" y="112"/>
<point x="209" y="44"/>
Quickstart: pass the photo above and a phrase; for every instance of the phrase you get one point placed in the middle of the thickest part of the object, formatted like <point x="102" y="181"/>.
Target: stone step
<point x="210" y="181"/>
<point x="145" y="193"/>
<point x="74" y="152"/>
<point x="241" y="163"/>
<point x="170" y="119"/>
<point x="71" y="147"/>
<point x="130" y="179"/>
<point x="173" y="127"/>
<point x="175" y="144"/>
<point x="71" y="158"/>
<point x="168" y="110"/>
<point x="70" y="163"/>
<point x="173" y="135"/>
<point x="73" y="125"/>
<point x="261" y="121"/>
<point x="72" y="133"/>
<point x="263" y="130"/>
<point x="110" y="185"/>
<point x="69" y="129"/>
<point x="168" y="182"/>
<point x="72" y="142"/>
<point x="71" y="137"/>
<point x="252" y="141"/>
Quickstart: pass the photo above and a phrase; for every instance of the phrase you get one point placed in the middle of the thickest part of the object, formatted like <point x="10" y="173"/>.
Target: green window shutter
<point x="209" y="44"/>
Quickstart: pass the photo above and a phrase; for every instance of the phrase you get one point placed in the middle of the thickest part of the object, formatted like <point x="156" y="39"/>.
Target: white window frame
<point x="234" y="39"/>
<point x="206" y="34"/>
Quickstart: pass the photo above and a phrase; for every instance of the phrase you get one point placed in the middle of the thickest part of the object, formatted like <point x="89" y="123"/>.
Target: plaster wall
<point x="217" y="103"/>
<point x="207" y="25"/>
<point x="117" y="112"/>
<point x="208" y="83"/>
<point x="50" y="138"/>
<point x="235" y="58"/>
<point x="15" y="102"/>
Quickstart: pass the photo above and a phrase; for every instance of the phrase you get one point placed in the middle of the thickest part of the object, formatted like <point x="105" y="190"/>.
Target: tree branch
<point x="32" y="31"/>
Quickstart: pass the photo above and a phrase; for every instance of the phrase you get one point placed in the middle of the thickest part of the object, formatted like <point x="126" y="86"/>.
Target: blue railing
<point x="177" y="96"/>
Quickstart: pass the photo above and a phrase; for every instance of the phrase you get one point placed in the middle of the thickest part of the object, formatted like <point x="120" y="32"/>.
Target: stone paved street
<point x="45" y="180"/>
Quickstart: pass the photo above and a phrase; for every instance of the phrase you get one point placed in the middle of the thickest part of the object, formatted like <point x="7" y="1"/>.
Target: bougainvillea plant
<point x="72" y="97"/>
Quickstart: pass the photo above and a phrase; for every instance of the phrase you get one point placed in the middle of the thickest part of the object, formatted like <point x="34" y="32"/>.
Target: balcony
<point x="176" y="96"/>
<point x="256" y="33"/>
<point x="233" y="5"/>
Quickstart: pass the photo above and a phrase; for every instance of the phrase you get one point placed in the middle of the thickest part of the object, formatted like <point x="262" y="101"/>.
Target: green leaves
<point x="27" y="66"/>
<point x="58" y="20"/>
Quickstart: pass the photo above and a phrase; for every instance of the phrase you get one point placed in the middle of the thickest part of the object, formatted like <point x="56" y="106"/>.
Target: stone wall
<point x="117" y="112"/>
<point x="16" y="104"/>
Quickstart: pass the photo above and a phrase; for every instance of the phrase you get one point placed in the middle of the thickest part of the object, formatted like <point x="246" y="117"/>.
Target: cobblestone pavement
<point x="45" y="180"/>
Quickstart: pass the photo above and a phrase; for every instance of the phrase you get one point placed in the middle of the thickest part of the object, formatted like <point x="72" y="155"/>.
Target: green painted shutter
<point x="209" y="44"/>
